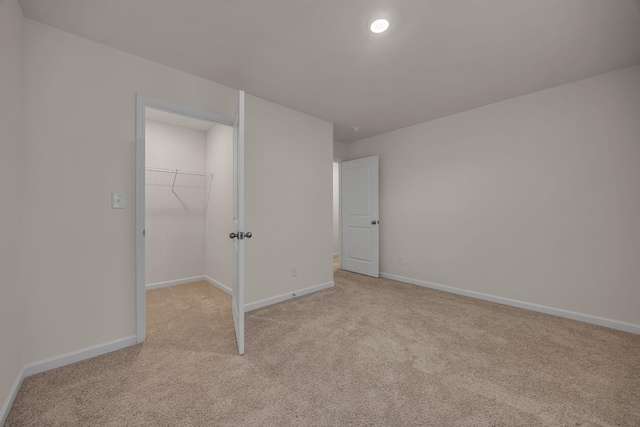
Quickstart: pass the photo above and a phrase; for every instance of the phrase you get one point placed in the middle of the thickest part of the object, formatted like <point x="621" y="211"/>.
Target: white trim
<point x="140" y="219"/>
<point x="284" y="297"/>
<point x="587" y="318"/>
<point x="174" y="282"/>
<point x="237" y="295"/>
<point x="79" y="355"/>
<point x="143" y="102"/>
<point x="57" y="362"/>
<point x="339" y="212"/>
<point x="218" y="285"/>
<point x="11" y="397"/>
<point x="183" y="110"/>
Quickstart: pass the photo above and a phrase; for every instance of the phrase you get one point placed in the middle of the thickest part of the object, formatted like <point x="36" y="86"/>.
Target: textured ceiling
<point x="317" y="56"/>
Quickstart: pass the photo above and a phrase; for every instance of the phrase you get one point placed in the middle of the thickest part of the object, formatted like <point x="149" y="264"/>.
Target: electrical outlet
<point x="294" y="270"/>
<point x="401" y="259"/>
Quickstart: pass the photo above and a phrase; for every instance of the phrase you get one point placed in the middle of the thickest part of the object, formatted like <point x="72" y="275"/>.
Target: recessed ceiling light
<point x="379" y="26"/>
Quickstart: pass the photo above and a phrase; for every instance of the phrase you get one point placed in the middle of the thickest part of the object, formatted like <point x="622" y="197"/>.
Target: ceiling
<point x="438" y="58"/>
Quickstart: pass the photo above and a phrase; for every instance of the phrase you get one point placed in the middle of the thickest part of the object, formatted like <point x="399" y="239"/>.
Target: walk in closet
<point x="189" y="196"/>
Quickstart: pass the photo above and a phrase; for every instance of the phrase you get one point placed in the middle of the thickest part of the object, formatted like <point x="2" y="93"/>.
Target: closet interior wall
<point x="189" y="204"/>
<point x="175" y="202"/>
<point x="219" y="212"/>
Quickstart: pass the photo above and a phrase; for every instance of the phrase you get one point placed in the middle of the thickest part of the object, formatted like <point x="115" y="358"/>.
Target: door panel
<point x="360" y="233"/>
<point x="360" y="243"/>
<point x="359" y="200"/>
<point x="238" y="223"/>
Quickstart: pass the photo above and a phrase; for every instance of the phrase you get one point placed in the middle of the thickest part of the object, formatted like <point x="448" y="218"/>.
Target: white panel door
<point x="360" y="233"/>
<point x="237" y="235"/>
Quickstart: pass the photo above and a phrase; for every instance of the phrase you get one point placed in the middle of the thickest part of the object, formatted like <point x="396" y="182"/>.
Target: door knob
<point x="375" y="222"/>
<point x="240" y="235"/>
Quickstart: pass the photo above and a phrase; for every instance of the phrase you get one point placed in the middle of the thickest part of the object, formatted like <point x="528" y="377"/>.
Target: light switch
<point x="117" y="200"/>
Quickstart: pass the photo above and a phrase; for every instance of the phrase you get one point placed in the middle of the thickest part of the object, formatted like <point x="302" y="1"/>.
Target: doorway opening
<point x="189" y="196"/>
<point x="188" y="216"/>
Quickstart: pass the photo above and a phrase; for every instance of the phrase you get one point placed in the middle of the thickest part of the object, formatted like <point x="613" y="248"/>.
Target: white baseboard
<point x="284" y="297"/>
<point x="79" y="355"/>
<point x="11" y="397"/>
<point x="57" y="362"/>
<point x="173" y="282"/>
<point x="218" y="284"/>
<point x="272" y="300"/>
<point x="595" y="320"/>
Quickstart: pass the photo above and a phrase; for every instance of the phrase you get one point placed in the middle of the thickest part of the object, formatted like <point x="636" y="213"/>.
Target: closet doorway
<point x="189" y="188"/>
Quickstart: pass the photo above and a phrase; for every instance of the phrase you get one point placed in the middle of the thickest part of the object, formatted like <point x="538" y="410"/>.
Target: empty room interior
<point x="371" y="213"/>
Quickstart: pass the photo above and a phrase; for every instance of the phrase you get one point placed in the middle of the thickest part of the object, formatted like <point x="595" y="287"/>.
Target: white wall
<point x="288" y="198"/>
<point x="339" y="150"/>
<point x="80" y="147"/>
<point x="535" y="198"/>
<point x="219" y="222"/>
<point x="11" y="189"/>
<point x="175" y="220"/>
<point x="336" y="208"/>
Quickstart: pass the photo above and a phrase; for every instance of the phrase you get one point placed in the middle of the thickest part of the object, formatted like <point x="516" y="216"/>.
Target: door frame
<point x="339" y="161"/>
<point x="142" y="103"/>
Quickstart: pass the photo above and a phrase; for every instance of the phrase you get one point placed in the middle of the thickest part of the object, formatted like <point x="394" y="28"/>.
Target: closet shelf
<point x="177" y="172"/>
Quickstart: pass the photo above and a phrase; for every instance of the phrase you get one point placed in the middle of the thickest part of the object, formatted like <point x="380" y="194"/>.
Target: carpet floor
<point x="369" y="352"/>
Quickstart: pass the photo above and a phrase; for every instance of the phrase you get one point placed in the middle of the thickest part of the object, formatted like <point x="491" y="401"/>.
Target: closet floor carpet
<point x="368" y="352"/>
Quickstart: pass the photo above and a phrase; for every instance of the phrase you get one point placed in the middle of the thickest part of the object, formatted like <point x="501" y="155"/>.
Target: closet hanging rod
<point x="178" y="171"/>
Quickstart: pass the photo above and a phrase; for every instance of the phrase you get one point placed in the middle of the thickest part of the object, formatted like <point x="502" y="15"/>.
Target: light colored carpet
<point x="365" y="353"/>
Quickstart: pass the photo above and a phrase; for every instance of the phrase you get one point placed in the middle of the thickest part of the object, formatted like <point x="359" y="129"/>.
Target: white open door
<point x="359" y="201"/>
<point x="238" y="234"/>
